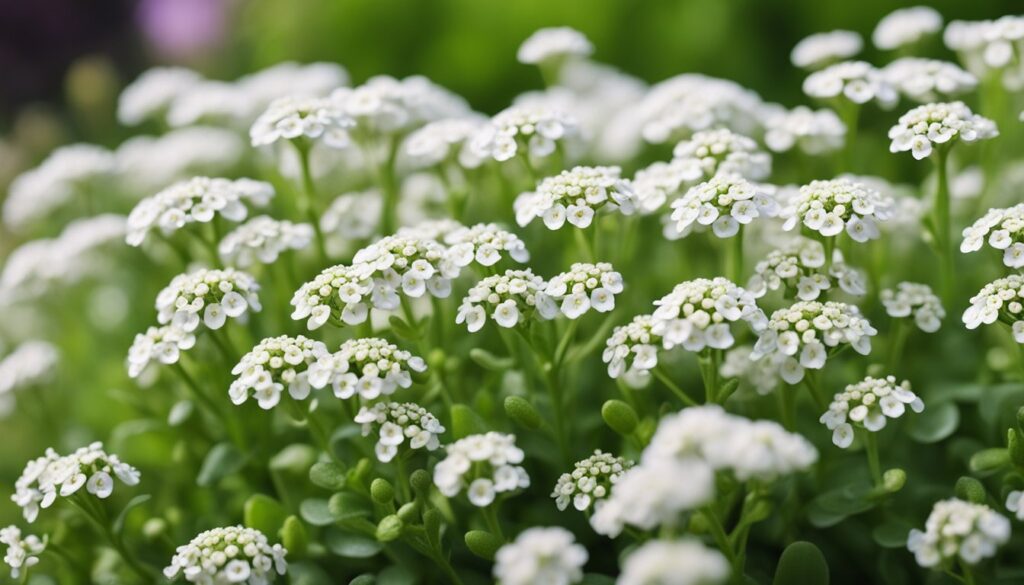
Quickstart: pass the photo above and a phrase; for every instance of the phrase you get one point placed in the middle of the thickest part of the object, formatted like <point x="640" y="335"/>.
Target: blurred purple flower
<point x="181" y="29"/>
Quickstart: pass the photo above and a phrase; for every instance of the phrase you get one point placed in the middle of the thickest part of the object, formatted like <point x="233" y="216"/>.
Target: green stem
<point x="307" y="201"/>
<point x="785" y="397"/>
<point x="584" y="244"/>
<point x="968" y="573"/>
<point x="874" y="464"/>
<point x="660" y="374"/>
<point x="850" y="113"/>
<point x="490" y="515"/>
<point x="234" y="431"/>
<point x="388" y="184"/>
<point x="734" y="257"/>
<point x="563" y="344"/>
<point x="403" y="479"/>
<point x="708" y="364"/>
<point x="898" y="341"/>
<point x="722" y="540"/>
<point x="941" y="223"/>
<point x="811" y="381"/>
<point x="98" y="516"/>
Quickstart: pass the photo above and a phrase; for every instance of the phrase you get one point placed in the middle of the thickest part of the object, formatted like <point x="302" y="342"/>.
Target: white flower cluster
<point x="799" y="267"/>
<point x="854" y="81"/>
<point x="416" y="266"/>
<point x="273" y="365"/>
<point x="291" y="118"/>
<point x="67" y="172"/>
<point x="812" y="131"/>
<point x="385" y="105"/>
<point x="906" y="26"/>
<point x="958" y="530"/>
<point x="370" y="367"/>
<point x="485" y="465"/>
<point x="198" y="200"/>
<point x="761" y="375"/>
<point x="217" y="294"/>
<point x="911" y="298"/>
<point x="483" y="243"/>
<point x="146" y="164"/>
<point x="989" y="45"/>
<point x="22" y="553"/>
<point x="1004" y="230"/>
<point x="726" y="202"/>
<point x="697" y="314"/>
<point x="541" y="555"/>
<point x="337" y="290"/>
<point x="830" y="207"/>
<point x="233" y="554"/>
<point x="510" y="298"/>
<point x="661" y="181"/>
<point x="51" y="475"/>
<point x="684" y="104"/>
<point x="352" y="216"/>
<point x="444" y="140"/>
<point x="163" y="344"/>
<point x="1015" y="503"/>
<point x="632" y="351"/>
<point x="575" y="196"/>
<point x="585" y="286"/>
<point x="433" y="229"/>
<point x="395" y="422"/>
<point x="821" y="49"/>
<point x="590" y="481"/>
<point x="800" y="337"/>
<point x="868" y="404"/>
<point x="722" y="151"/>
<point x="674" y="562"/>
<point x="262" y="239"/>
<point x="554" y="44"/>
<point x="924" y="127"/>
<point x="530" y="131"/>
<point x="30" y="364"/>
<point x="999" y="300"/>
<point x="927" y="80"/>
<point x="152" y="93"/>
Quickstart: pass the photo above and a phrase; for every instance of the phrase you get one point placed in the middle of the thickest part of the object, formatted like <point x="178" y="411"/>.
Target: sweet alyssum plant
<point x="615" y="333"/>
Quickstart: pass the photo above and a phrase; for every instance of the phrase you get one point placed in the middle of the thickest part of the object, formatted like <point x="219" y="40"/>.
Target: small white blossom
<point x="352" y="216"/>
<point x="722" y="151"/>
<point x="484" y="466"/>
<point x="510" y="298"/>
<point x="958" y="530"/>
<point x="483" y="243"/>
<point x="821" y="49"/>
<point x="414" y="267"/>
<point x="541" y="555"/>
<point x="395" y="423"/>
<point x="385" y="106"/>
<point x="762" y="375"/>
<point x="146" y="164"/>
<point x="868" y="404"/>
<point x="207" y="296"/>
<point x="662" y="182"/>
<point x="928" y="80"/>
<point x="854" y="82"/>
<point x="679" y="106"/>
<point x="341" y="292"/>
<point x="22" y="553"/>
<point x="1000" y="300"/>
<point x="233" y="554"/>
<point x="162" y="344"/>
<point x="799" y="268"/>
<point x="697" y="314"/>
<point x="291" y="118"/>
<point x="67" y="174"/>
<point x="32" y="363"/>
<point x="831" y="207"/>
<point x="576" y="196"/>
<point x="444" y="140"/>
<point x="1015" y="503"/>
<point x="917" y="300"/>
<point x="554" y="44"/>
<point x="632" y="351"/>
<point x="906" y="26"/>
<point x="988" y="47"/>
<point x="676" y="562"/>
<point x="1003" y="229"/>
<point x="583" y="287"/>
<point x="590" y="481"/>
<point x="152" y="93"/>
<point x="262" y="239"/>
<point x="274" y="365"/>
<point x="814" y="132"/>
<point x="923" y="128"/>
<point x="726" y="202"/>
<point x="534" y="132"/>
<point x="368" y="367"/>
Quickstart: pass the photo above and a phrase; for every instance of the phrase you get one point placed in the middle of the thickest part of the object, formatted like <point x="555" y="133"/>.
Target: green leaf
<point x="397" y="575"/>
<point x="597" y="579"/>
<point x="892" y="533"/>
<point x="316" y="512"/>
<point x="620" y="417"/>
<point x="295" y="459"/>
<point x="403" y="329"/>
<point x="347" y="506"/>
<point x="118" y="525"/>
<point x="352" y="546"/>
<point x="801" y="564"/>
<point x="294" y="537"/>
<point x="832" y="507"/>
<point x="180" y="412"/>
<point x="483" y="544"/>
<point x="522" y="412"/>
<point x="264" y="513"/>
<point x="937" y="422"/>
<point x="328" y="475"/>
<point x="364" y="579"/>
<point x="221" y="461"/>
<point x="489" y="361"/>
<point x="307" y="573"/>
<point x="465" y="422"/>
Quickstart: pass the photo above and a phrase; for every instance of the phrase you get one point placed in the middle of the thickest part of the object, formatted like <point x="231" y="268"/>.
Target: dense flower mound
<point x="1000" y="300"/>
<point x="370" y="367"/>
<point x="697" y="314"/>
<point x="801" y="336"/>
<point x="917" y="300"/>
<point x="213" y="294"/>
<point x="484" y="466"/>
<point x="726" y="202"/>
<point x="30" y="364"/>
<point x="198" y="200"/>
<point x="553" y="44"/>
<point x="233" y="554"/>
<point x="928" y="80"/>
<point x="821" y="49"/>
<point x="927" y="127"/>
<point x="814" y="132"/>
<point x="415" y="267"/>
<point x="446" y="140"/>
<point x="152" y="93"/>
<point x="831" y="207"/>
<point x="341" y="292"/>
<point x="958" y="531"/>
<point x="291" y="118"/>
<point x="483" y="243"/>
<point x="395" y="422"/>
<point x="276" y="364"/>
<point x="868" y="404"/>
<point x="987" y="45"/>
<point x="632" y="350"/>
<point x="385" y="106"/>
<point x="906" y="26"/>
<point x="162" y="344"/>
<point x="583" y="287"/>
<point x="661" y="182"/>
<point x="525" y="131"/>
<point x="800" y="269"/>
<point x="590" y="481"/>
<point x="1003" y="229"/>
<point x="510" y="298"/>
<point x="575" y="196"/>
<point x="52" y="474"/>
<point x="722" y="151"/>
<point x="678" y="562"/>
<point x="854" y="82"/>
<point x="68" y="172"/>
<point x="262" y="239"/>
<point x="22" y="553"/>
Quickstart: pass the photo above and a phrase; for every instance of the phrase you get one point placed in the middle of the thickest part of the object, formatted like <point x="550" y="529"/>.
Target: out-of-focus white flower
<point x="799" y="268"/>
<point x="352" y="216"/>
<point x="541" y="555"/>
<point x="339" y="291"/>
<point x="762" y="375"/>
<point x="22" y="553"/>
<point x="1003" y="229"/>
<point x="1000" y="300"/>
<point x="987" y="46"/>
<point x="368" y="367"/>
<point x="583" y="287"/>
<point x="856" y="82"/>
<point x="434" y="229"/>
<point x="152" y="93"/>
<point x="554" y="44"/>
<point x="148" y="163"/>
<point x="483" y="243"/>
<point x="917" y="300"/>
<point x="444" y="140"/>
<point x="868" y="404"/>
<point x="576" y="196"/>
<point x="233" y="554"/>
<point x="388" y="106"/>
<point x="161" y="344"/>
<point x="679" y="106"/>
<point x="821" y="49"/>
<point x="52" y="474"/>
<point x="814" y="132"/>
<point x="632" y="351"/>
<point x="801" y="337"/>
<point x="906" y="26"/>
<point x="274" y="365"/>
<point x="726" y="202"/>
<point x="395" y="422"/>
<point x="590" y="481"/>
<point x="509" y="298"/>
<point x="529" y="131"/>
<point x="484" y="465"/>
<point x="832" y="207"/>
<point x="68" y="173"/>
<point x="697" y="314"/>
<point x="931" y="125"/>
<point x="958" y="530"/>
<point x="1015" y="503"/>
<point x="210" y="296"/>
<point x="722" y="151"/>
<point x="262" y="239"/>
<point x="30" y="364"/>
<point x="677" y="562"/>
<point x="928" y="80"/>
<point x="291" y="118"/>
<point x="662" y="182"/>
